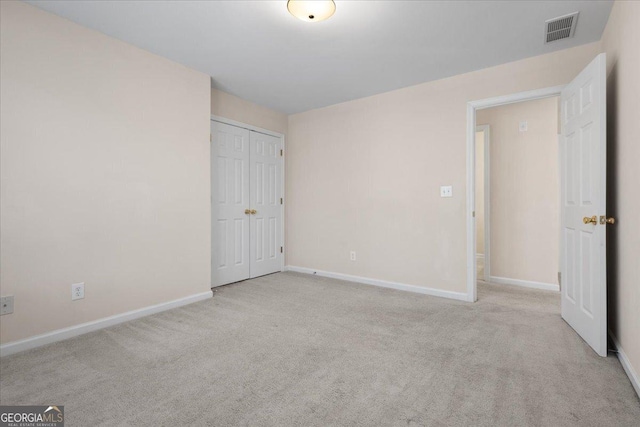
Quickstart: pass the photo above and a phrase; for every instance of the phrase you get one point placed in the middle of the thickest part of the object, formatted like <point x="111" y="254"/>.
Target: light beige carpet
<point x="297" y="350"/>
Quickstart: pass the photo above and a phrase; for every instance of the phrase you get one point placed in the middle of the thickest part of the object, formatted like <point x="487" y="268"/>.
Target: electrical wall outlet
<point x="352" y="255"/>
<point x="446" y="191"/>
<point x="6" y="305"/>
<point x="77" y="291"/>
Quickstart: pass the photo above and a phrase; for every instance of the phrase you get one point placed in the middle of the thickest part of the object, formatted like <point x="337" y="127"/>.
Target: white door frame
<point x="235" y="123"/>
<point x="486" y="129"/>
<point x="472" y="107"/>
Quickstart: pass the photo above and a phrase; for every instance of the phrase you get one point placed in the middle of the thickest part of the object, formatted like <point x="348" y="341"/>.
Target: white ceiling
<point x="258" y="51"/>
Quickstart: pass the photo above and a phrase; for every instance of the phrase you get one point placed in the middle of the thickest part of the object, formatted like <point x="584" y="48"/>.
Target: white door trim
<point x="486" y="129"/>
<point x="224" y="120"/>
<point x="245" y="126"/>
<point x="472" y="107"/>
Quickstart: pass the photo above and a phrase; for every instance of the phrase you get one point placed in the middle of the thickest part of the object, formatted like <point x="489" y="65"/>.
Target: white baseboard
<point x="626" y="365"/>
<point x="524" y="283"/>
<point x="382" y="283"/>
<point x="83" y="328"/>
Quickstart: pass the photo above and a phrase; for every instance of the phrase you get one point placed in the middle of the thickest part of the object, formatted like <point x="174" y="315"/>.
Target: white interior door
<point x="229" y="200"/>
<point x="266" y="204"/>
<point x="583" y="203"/>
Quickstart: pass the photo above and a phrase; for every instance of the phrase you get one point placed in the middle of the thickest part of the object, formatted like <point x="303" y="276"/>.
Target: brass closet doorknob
<point x="593" y="220"/>
<point x="253" y="211"/>
<point x="247" y="211"/>
<point x="605" y="220"/>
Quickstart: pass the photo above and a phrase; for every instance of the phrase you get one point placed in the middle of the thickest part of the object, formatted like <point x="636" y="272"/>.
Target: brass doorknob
<point x="605" y="220"/>
<point x="253" y="211"/>
<point x="247" y="211"/>
<point x="593" y="220"/>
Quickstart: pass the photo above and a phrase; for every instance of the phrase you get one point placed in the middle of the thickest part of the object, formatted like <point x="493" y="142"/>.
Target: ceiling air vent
<point x="562" y="27"/>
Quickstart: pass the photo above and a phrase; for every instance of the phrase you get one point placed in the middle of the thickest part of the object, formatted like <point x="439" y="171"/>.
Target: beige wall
<point x="234" y="108"/>
<point x="365" y="175"/>
<point x="525" y="190"/>
<point x="620" y="42"/>
<point x="105" y="174"/>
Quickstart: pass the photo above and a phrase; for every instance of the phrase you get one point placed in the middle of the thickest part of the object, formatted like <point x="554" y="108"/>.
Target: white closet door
<point x="229" y="200"/>
<point x="583" y="202"/>
<point x="266" y="174"/>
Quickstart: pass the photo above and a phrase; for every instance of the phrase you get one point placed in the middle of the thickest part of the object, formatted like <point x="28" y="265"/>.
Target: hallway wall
<point x="524" y="190"/>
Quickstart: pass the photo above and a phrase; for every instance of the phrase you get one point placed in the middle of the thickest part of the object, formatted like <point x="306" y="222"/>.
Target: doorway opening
<point x="517" y="194"/>
<point x="583" y="195"/>
<point x="473" y="108"/>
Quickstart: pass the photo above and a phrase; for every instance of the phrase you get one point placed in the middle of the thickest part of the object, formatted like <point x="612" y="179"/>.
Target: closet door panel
<point x="230" y="225"/>
<point x="265" y="190"/>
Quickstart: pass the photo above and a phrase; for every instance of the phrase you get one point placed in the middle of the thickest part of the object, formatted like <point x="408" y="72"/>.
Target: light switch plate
<point x="446" y="191"/>
<point x="6" y="305"/>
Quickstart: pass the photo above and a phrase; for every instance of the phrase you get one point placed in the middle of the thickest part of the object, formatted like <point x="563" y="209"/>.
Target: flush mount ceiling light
<point x="311" y="10"/>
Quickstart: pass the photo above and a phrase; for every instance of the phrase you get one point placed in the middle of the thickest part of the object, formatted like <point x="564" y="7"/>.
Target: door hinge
<point x="559" y="280"/>
<point x="473" y="214"/>
<point x="210" y="137"/>
<point x="281" y="201"/>
<point x="281" y="153"/>
<point x="281" y="250"/>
